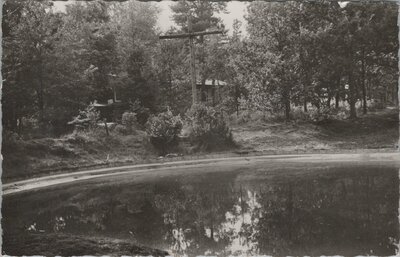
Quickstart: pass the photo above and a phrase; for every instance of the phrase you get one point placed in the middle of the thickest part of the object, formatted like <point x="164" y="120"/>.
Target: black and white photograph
<point x="200" y="128"/>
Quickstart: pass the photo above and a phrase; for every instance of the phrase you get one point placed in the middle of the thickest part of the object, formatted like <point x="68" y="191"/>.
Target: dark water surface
<point x="261" y="208"/>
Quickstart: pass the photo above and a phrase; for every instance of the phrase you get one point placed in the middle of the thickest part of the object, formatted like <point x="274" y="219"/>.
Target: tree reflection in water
<point x="241" y="226"/>
<point x="333" y="210"/>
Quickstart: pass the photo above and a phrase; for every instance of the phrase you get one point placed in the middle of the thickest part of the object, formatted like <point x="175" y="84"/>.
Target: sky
<point x="235" y="10"/>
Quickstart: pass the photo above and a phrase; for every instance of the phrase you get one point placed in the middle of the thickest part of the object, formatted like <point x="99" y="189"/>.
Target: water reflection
<point x="325" y="211"/>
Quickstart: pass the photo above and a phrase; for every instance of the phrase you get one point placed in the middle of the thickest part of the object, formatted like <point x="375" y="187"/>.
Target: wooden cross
<point x="191" y="35"/>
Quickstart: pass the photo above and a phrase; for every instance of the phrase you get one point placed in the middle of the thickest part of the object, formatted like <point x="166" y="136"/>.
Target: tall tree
<point x="27" y="57"/>
<point x="197" y="16"/>
<point x="273" y="29"/>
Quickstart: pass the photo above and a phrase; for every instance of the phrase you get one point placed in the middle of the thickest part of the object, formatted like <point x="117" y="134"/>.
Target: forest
<point x="293" y="63"/>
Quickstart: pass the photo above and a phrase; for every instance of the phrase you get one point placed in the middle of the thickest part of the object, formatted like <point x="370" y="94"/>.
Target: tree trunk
<point x="364" y="89"/>
<point x="20" y="126"/>
<point x="237" y="96"/>
<point x="352" y="92"/>
<point x="287" y="105"/>
<point x="287" y="109"/>
<point x="337" y="96"/>
<point x="337" y="100"/>
<point x="305" y="105"/>
<point x="386" y="94"/>
<point x="106" y="127"/>
<point x="305" y="98"/>
<point x="40" y="91"/>
<point x="397" y="97"/>
<point x="305" y="75"/>
<point x="352" y="97"/>
<point x="369" y="87"/>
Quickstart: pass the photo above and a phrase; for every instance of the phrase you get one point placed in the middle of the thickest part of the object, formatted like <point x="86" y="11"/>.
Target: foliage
<point x="142" y="113"/>
<point x="295" y="55"/>
<point x="163" y="130"/>
<point x="55" y="63"/>
<point x="202" y="14"/>
<point x="300" y="53"/>
<point x="129" y="121"/>
<point x="207" y="128"/>
<point x="87" y="118"/>
<point x="320" y="115"/>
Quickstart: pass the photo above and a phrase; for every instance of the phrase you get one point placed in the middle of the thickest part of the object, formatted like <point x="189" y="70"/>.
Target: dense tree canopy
<point x="309" y="54"/>
<point x="318" y="48"/>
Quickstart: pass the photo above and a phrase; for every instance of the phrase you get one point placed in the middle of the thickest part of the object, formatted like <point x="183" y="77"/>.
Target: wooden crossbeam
<point x="193" y="34"/>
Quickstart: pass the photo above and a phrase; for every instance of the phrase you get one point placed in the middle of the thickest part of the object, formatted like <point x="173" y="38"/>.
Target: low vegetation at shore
<point x="92" y="147"/>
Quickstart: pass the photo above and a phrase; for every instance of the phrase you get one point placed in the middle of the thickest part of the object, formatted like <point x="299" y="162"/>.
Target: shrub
<point x="87" y="118"/>
<point x="85" y="136"/>
<point x="31" y="123"/>
<point x="30" y="127"/>
<point x="121" y="129"/>
<point x="129" y="121"/>
<point x="325" y="113"/>
<point x="163" y="130"/>
<point x="207" y="128"/>
<point x="244" y="117"/>
<point x="10" y="141"/>
<point x="299" y="115"/>
<point x="142" y="113"/>
<point x="374" y="105"/>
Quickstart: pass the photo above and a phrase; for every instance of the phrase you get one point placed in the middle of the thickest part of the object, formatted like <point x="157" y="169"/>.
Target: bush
<point x="374" y="105"/>
<point x="30" y="127"/>
<point x="142" y="113"/>
<point x="163" y="130"/>
<point x="10" y="141"/>
<point x="244" y="117"/>
<point x="87" y="118"/>
<point x="299" y="115"/>
<point x="31" y="123"/>
<point x="86" y="136"/>
<point x="326" y="113"/>
<point x="207" y="128"/>
<point x="129" y="121"/>
<point x="121" y="129"/>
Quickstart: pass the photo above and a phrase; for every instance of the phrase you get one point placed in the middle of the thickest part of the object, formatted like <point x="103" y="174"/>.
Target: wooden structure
<point x="210" y="92"/>
<point x="111" y="111"/>
<point x="191" y="35"/>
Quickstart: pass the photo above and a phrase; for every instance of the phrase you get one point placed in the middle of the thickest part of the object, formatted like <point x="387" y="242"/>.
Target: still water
<point x="255" y="209"/>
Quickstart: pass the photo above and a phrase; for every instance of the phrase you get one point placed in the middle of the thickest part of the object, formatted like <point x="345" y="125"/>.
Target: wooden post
<point x="106" y="127"/>
<point x="191" y="35"/>
<point x="192" y="64"/>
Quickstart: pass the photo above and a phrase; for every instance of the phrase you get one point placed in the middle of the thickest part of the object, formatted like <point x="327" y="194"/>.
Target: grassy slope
<point x="372" y="131"/>
<point x="47" y="155"/>
<point x="37" y="157"/>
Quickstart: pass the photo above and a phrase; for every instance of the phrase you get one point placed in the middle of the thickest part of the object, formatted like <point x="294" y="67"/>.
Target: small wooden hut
<point x="111" y="111"/>
<point x="210" y="92"/>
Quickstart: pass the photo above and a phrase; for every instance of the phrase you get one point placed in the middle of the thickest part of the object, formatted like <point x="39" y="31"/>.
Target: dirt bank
<point x="376" y="130"/>
<point x="182" y="166"/>
<point x="52" y="244"/>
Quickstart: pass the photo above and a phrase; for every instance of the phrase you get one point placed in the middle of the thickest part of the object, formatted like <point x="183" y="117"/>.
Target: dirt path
<point x="43" y="182"/>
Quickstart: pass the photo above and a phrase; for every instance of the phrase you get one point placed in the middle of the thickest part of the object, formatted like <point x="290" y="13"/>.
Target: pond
<point x="259" y="208"/>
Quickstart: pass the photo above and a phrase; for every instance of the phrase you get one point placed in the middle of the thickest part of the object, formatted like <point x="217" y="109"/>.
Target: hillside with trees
<point x="95" y="85"/>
